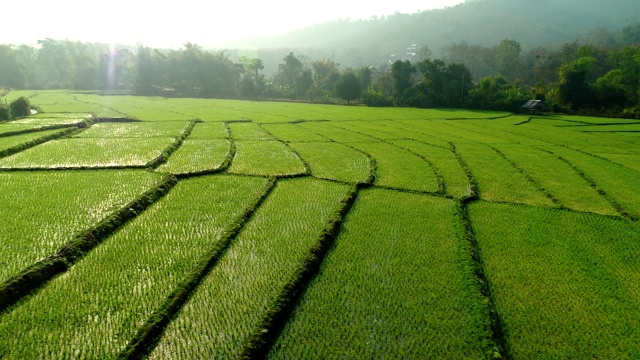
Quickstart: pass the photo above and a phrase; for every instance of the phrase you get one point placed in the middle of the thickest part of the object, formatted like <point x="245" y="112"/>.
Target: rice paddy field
<point x="142" y="227"/>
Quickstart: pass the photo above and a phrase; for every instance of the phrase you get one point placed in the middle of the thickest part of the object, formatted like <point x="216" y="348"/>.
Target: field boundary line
<point x="75" y="98"/>
<point x="164" y="156"/>
<point x="530" y="178"/>
<point x="487" y="118"/>
<point x="280" y="310"/>
<point x="38" y="129"/>
<point x="41" y="272"/>
<point x="436" y="173"/>
<point x="525" y="122"/>
<point x="74" y="129"/>
<point x="600" y="157"/>
<point x="494" y="333"/>
<point x="149" y="334"/>
<point x="224" y="166"/>
<point x="473" y="184"/>
<point x="373" y="167"/>
<point x="395" y="125"/>
<point x="307" y="167"/>
<point x="493" y="329"/>
<point x="613" y="202"/>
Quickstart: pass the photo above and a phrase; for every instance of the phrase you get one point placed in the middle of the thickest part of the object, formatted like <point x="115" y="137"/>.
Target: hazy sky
<point x="171" y="24"/>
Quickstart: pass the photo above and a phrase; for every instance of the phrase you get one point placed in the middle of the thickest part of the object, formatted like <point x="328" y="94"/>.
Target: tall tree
<point x="348" y="87"/>
<point x="508" y="58"/>
<point x="11" y="74"/>
<point x="401" y="72"/>
<point x="573" y="89"/>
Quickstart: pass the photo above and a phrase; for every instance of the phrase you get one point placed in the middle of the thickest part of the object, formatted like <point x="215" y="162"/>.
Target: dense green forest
<point x="482" y="22"/>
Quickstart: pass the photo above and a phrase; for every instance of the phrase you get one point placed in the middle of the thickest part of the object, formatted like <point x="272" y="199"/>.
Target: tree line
<point x="589" y="79"/>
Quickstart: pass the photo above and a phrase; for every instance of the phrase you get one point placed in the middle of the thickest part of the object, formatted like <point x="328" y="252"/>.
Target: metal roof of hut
<point x="533" y="105"/>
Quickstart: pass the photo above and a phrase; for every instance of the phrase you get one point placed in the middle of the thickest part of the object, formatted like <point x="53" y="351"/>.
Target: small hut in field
<point x="533" y="106"/>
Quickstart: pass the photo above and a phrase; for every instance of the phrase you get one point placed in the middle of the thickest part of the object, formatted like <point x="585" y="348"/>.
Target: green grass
<point x="556" y="222"/>
<point x="559" y="178"/>
<point x="197" y="156"/>
<point x="265" y="158"/>
<point x="135" y="130"/>
<point x="337" y="134"/>
<point x="497" y="179"/>
<point x="94" y="309"/>
<point x="334" y="161"/>
<point x="208" y="131"/>
<point x="89" y="153"/>
<point x="620" y="183"/>
<point x="52" y="119"/>
<point x="249" y="131"/>
<point x="8" y="142"/>
<point x="565" y="284"/>
<point x="293" y="133"/>
<point x="366" y="128"/>
<point x="627" y="160"/>
<point x="455" y="180"/>
<point x="231" y="302"/>
<point x="398" y="168"/>
<point x="391" y="288"/>
<point x="41" y="211"/>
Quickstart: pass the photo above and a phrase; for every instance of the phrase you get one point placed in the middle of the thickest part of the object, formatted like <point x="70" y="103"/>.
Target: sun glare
<point x="157" y="25"/>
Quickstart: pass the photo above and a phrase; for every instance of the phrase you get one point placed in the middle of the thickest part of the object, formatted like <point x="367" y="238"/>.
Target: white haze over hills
<point x="171" y="24"/>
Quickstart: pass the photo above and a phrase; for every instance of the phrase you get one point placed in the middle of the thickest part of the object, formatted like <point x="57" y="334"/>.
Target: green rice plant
<point x="412" y="132"/>
<point x="196" y="156"/>
<point x="604" y="128"/>
<point x="588" y="120"/>
<point x="558" y="178"/>
<point x="7" y="143"/>
<point x="392" y="287"/>
<point x="618" y="183"/>
<point x="565" y="284"/>
<point x="564" y="136"/>
<point x="209" y="131"/>
<point x="158" y="108"/>
<point x="631" y="161"/>
<point x="292" y="133"/>
<point x="398" y="168"/>
<point x="89" y="153"/>
<point x="497" y="179"/>
<point x="94" y="309"/>
<point x="329" y="160"/>
<point x="11" y="129"/>
<point x="266" y="158"/>
<point x="42" y="211"/>
<point x="53" y="119"/>
<point x="366" y="128"/>
<point x="232" y="300"/>
<point x="474" y="134"/>
<point x="488" y="132"/>
<point x="337" y="134"/>
<point x="137" y="107"/>
<point x="15" y="94"/>
<point x="249" y="131"/>
<point x="135" y="129"/>
<point x="456" y="182"/>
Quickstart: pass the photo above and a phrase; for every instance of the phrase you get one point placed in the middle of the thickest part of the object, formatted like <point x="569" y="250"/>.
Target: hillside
<point x="482" y="22"/>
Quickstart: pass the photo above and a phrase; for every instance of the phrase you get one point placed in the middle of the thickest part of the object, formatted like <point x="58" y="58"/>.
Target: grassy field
<point x="192" y="228"/>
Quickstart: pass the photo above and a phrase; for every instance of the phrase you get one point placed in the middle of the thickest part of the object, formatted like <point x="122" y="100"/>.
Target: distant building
<point x="533" y="105"/>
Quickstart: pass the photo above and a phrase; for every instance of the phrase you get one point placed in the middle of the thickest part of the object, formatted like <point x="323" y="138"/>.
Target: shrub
<point x="20" y="107"/>
<point x="376" y="99"/>
<point x="5" y="112"/>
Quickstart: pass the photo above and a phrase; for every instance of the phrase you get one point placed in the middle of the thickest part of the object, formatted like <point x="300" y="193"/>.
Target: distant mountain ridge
<point x="482" y="22"/>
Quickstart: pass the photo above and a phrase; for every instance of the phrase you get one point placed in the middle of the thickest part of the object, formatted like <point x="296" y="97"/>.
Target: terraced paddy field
<point x="140" y="227"/>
